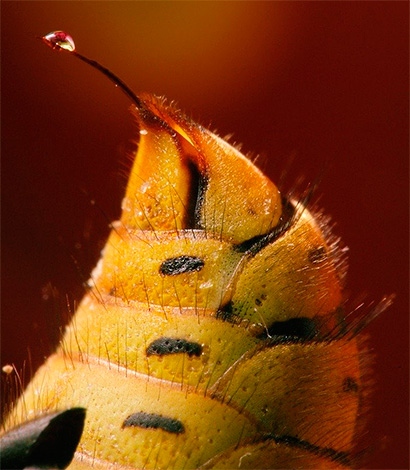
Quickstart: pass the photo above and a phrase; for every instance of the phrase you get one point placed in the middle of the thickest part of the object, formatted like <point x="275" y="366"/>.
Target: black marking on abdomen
<point x="255" y="244"/>
<point x="226" y="313"/>
<point x="350" y="385"/>
<point x="327" y="452"/>
<point x="154" y="421"/>
<point x="197" y="189"/>
<point x="181" y="264"/>
<point x="298" y="328"/>
<point x="164" y="346"/>
<point x="317" y="255"/>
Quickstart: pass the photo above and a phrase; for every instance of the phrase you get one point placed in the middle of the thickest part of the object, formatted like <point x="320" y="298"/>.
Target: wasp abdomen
<point x="211" y="336"/>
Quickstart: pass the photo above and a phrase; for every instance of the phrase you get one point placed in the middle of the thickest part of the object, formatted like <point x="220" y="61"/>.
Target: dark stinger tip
<point x="46" y="442"/>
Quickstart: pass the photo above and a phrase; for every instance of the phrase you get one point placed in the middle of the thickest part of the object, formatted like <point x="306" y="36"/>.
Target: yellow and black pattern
<point x="211" y="336"/>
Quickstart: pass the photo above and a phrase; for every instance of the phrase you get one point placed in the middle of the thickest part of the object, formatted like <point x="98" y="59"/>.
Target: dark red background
<point x="323" y="82"/>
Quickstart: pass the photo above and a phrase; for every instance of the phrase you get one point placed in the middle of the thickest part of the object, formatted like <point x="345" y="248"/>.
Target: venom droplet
<point x="59" y="40"/>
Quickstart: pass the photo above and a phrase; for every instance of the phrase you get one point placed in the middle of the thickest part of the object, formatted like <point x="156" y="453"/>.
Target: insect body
<point x="212" y="334"/>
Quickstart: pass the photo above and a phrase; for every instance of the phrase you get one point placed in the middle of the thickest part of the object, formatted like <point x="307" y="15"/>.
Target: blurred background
<point x="313" y="88"/>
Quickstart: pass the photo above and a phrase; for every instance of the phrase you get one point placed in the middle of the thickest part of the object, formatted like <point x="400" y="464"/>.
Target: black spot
<point x="299" y="328"/>
<point x="255" y="244"/>
<point x="317" y="255"/>
<point x="154" y="421"/>
<point x="181" y="264"/>
<point x="350" y="385"/>
<point x="327" y="452"/>
<point x="226" y="313"/>
<point x="46" y="442"/>
<point x="202" y="186"/>
<point x="164" y="346"/>
<point x="153" y="120"/>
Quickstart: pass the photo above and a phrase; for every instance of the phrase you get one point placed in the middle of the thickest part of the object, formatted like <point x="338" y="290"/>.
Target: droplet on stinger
<point x="59" y="40"/>
<point x="7" y="369"/>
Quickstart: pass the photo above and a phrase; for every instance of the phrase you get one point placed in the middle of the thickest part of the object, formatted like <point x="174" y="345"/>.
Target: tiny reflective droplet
<point x="59" y="40"/>
<point x="7" y="369"/>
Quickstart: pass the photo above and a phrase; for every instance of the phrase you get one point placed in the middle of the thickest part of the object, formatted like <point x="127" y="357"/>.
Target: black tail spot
<point x="226" y="313"/>
<point x="164" y="346"/>
<point x="350" y="385"/>
<point x="317" y="255"/>
<point x="327" y="452"/>
<point x="181" y="264"/>
<point x="298" y="328"/>
<point x="154" y="421"/>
